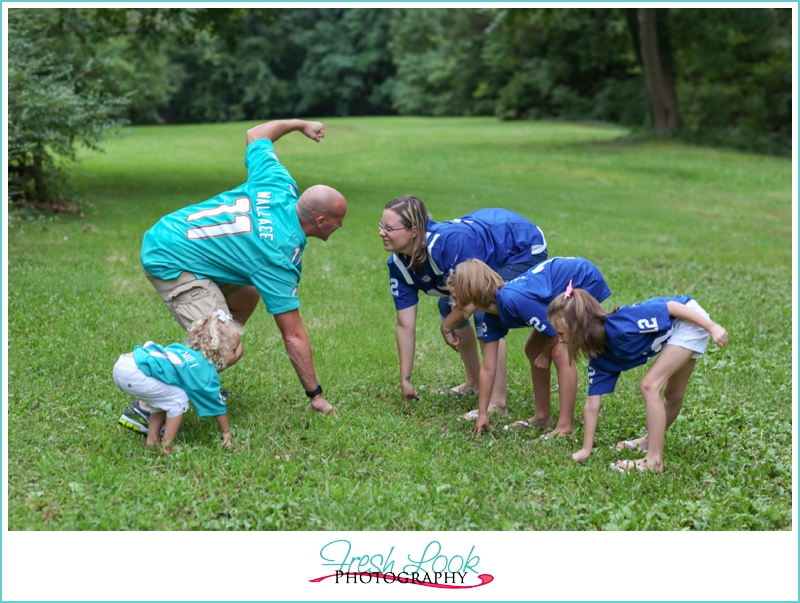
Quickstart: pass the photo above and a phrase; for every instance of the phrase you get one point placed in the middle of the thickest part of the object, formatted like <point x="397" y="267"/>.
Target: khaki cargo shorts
<point x="189" y="298"/>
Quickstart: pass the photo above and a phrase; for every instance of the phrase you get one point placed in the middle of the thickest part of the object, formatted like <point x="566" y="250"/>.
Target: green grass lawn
<point x="658" y="218"/>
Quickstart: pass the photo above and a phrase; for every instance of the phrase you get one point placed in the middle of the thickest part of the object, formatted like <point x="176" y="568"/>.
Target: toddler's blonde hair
<point x="212" y="335"/>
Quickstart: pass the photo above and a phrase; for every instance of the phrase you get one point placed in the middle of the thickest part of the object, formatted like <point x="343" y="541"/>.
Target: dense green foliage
<point x="76" y="73"/>
<point x="735" y="86"/>
<point x="658" y="218"/>
<point x="58" y="96"/>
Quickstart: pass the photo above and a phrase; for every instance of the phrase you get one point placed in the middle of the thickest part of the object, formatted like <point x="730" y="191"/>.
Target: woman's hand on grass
<point x="409" y="393"/>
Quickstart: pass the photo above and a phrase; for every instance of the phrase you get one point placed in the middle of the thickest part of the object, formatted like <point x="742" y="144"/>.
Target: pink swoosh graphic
<point x="484" y="578"/>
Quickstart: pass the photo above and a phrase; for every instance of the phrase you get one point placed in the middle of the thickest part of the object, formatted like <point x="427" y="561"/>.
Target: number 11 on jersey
<point x="242" y="224"/>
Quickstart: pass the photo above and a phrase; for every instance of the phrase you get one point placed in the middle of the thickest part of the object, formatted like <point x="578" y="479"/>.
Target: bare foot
<point x="540" y="423"/>
<point x="472" y="415"/>
<point x="558" y="432"/>
<point x="500" y="408"/>
<point x="464" y="389"/>
<point x="532" y="423"/>
<point x="639" y="444"/>
<point x="637" y="466"/>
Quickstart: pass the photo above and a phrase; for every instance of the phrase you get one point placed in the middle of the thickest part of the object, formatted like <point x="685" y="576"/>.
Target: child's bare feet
<point x="465" y="389"/>
<point x="639" y="444"/>
<point x="498" y="407"/>
<point x="471" y="415"/>
<point x="539" y="422"/>
<point x="637" y="466"/>
<point x="532" y="423"/>
<point x="558" y="432"/>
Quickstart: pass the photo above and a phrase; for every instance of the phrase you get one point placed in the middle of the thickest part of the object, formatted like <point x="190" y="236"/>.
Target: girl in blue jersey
<point x="523" y="303"/>
<point x="425" y="253"/>
<point x="675" y="328"/>
<point x="166" y="378"/>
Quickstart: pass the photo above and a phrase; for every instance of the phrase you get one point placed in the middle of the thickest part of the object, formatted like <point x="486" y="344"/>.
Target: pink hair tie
<point x="568" y="292"/>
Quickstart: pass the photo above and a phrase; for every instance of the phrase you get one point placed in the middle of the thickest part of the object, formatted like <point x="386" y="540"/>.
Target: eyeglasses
<point x="389" y="229"/>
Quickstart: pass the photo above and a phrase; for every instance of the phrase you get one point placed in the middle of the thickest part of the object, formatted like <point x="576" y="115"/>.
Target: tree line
<point x="713" y="76"/>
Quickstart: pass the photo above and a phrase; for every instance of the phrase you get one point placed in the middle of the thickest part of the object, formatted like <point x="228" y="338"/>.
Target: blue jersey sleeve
<point x="601" y="381"/>
<point x="495" y="329"/>
<point x="403" y="294"/>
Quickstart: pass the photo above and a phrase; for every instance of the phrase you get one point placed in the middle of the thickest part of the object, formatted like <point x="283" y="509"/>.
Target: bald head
<point x="321" y="210"/>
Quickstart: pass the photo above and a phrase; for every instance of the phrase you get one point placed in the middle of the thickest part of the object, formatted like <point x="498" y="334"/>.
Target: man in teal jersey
<point x="247" y="244"/>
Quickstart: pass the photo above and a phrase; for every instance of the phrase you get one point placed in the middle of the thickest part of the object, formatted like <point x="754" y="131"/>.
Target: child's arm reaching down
<point x="222" y="421"/>
<point x="544" y="359"/>
<point x="718" y="333"/>
<point x="591" y="412"/>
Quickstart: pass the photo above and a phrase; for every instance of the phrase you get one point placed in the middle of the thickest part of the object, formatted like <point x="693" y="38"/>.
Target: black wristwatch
<point x="314" y="392"/>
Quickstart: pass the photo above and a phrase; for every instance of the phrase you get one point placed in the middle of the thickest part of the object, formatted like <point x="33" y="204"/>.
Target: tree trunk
<point x="659" y="80"/>
<point x="39" y="186"/>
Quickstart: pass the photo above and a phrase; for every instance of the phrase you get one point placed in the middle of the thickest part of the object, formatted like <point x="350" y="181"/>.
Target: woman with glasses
<point x="425" y="253"/>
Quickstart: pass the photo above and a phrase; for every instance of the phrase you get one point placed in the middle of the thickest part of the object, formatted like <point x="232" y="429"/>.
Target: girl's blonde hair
<point x="581" y="315"/>
<point x="412" y="212"/>
<point x="212" y="335"/>
<point x="474" y="282"/>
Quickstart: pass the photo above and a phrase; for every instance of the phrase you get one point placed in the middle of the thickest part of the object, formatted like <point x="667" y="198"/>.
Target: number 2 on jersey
<point x="648" y="326"/>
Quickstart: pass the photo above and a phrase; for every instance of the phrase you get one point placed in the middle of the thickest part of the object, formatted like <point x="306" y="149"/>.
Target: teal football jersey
<point x="185" y="368"/>
<point x="250" y="235"/>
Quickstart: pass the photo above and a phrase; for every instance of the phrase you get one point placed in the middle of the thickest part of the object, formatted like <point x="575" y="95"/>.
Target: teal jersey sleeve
<point x="250" y="235"/>
<point x="186" y="368"/>
<point x="263" y="165"/>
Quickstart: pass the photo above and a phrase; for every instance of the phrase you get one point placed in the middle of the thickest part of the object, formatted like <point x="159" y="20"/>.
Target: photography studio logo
<point x="432" y="567"/>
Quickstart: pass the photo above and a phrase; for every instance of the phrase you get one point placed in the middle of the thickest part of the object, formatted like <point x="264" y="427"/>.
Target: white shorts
<point x="159" y="396"/>
<point x="688" y="335"/>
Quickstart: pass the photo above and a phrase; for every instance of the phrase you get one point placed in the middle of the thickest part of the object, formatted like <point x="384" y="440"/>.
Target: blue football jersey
<point x="634" y="334"/>
<point x="523" y="302"/>
<point x="495" y="236"/>
<point x="250" y="235"/>
<point x="185" y="368"/>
